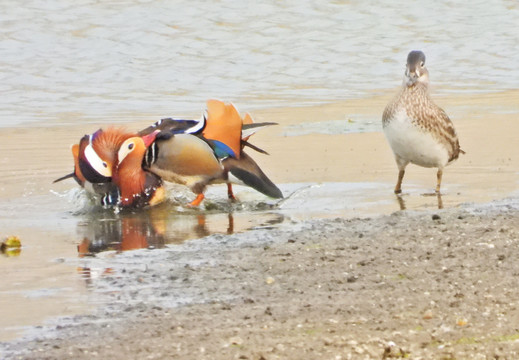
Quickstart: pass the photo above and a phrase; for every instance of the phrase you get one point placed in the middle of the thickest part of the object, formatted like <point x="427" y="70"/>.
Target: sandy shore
<point x="396" y="284"/>
<point x="486" y="123"/>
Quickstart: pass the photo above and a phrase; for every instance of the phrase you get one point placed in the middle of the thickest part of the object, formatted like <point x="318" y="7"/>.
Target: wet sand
<point x="302" y="164"/>
<point x="428" y="285"/>
<point x="486" y="123"/>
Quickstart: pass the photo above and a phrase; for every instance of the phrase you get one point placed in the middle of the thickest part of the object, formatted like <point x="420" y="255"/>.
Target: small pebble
<point x="236" y="340"/>
<point x="428" y="315"/>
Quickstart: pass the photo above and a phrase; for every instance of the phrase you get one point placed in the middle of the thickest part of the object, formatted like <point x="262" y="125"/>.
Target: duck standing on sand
<point x="417" y="130"/>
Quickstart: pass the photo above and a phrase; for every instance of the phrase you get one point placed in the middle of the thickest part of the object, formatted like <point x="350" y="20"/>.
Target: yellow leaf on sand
<point x="12" y="242"/>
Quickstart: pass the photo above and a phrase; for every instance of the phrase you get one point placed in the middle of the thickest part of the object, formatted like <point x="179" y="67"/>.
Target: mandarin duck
<point x="136" y="187"/>
<point x="95" y="157"/>
<point x="94" y="160"/>
<point x="417" y="130"/>
<point x="209" y="152"/>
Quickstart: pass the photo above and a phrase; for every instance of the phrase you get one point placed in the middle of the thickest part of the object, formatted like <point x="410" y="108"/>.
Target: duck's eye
<point x="422" y="64"/>
<point x="130" y="146"/>
<point x="105" y="164"/>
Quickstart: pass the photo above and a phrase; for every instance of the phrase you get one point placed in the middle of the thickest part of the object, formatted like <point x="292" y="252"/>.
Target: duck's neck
<point x="131" y="181"/>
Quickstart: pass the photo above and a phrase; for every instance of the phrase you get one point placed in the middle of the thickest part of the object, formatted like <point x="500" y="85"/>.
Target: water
<point x="63" y="62"/>
<point x="70" y="63"/>
<point x="68" y="242"/>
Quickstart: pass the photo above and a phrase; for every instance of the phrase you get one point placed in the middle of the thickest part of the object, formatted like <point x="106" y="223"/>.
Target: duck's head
<point x="97" y="153"/>
<point x="132" y="150"/>
<point x="415" y="70"/>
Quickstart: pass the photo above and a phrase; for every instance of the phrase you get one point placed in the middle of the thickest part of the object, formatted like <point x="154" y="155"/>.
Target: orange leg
<point x="230" y="194"/>
<point x="197" y="201"/>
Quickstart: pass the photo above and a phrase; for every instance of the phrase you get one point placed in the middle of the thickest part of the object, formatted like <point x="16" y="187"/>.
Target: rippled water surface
<point x="61" y="61"/>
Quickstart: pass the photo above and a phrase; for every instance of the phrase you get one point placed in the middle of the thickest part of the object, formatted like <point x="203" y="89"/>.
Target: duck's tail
<point x="246" y="171"/>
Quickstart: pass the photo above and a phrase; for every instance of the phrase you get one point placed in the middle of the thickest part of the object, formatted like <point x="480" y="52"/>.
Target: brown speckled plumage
<point x="425" y="114"/>
<point x="418" y="130"/>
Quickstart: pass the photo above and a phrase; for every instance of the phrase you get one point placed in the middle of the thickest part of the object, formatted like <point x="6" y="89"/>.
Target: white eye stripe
<point x="96" y="162"/>
<point x="126" y="148"/>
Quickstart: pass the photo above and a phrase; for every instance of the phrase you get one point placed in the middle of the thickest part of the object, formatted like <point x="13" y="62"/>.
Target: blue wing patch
<point x="221" y="150"/>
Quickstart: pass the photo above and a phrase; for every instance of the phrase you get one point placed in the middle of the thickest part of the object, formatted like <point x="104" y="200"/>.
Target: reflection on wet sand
<point x="161" y="225"/>
<point x="402" y="205"/>
<point x="157" y="227"/>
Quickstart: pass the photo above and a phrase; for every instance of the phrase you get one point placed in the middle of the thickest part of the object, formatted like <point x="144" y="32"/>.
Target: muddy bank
<point x="433" y="285"/>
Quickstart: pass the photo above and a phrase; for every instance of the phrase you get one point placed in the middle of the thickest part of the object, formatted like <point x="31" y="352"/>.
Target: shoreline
<point x="349" y="156"/>
<point x="336" y="288"/>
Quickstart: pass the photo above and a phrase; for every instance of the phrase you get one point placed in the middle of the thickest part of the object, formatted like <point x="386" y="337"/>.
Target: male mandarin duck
<point x="104" y="170"/>
<point x="101" y="167"/>
<point x="209" y="152"/>
<point x="137" y="187"/>
<point x="94" y="159"/>
<point x="190" y="152"/>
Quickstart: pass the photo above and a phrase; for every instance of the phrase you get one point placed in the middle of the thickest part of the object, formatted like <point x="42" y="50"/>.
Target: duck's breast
<point x="413" y="143"/>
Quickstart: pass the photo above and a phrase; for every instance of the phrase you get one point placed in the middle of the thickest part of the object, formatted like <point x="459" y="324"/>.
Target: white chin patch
<point x="96" y="162"/>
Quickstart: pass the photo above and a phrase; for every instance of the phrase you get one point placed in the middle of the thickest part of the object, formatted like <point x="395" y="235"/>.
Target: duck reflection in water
<point x="126" y="233"/>
<point x="162" y="225"/>
<point x="401" y="202"/>
<point x="147" y="229"/>
<point x="157" y="227"/>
